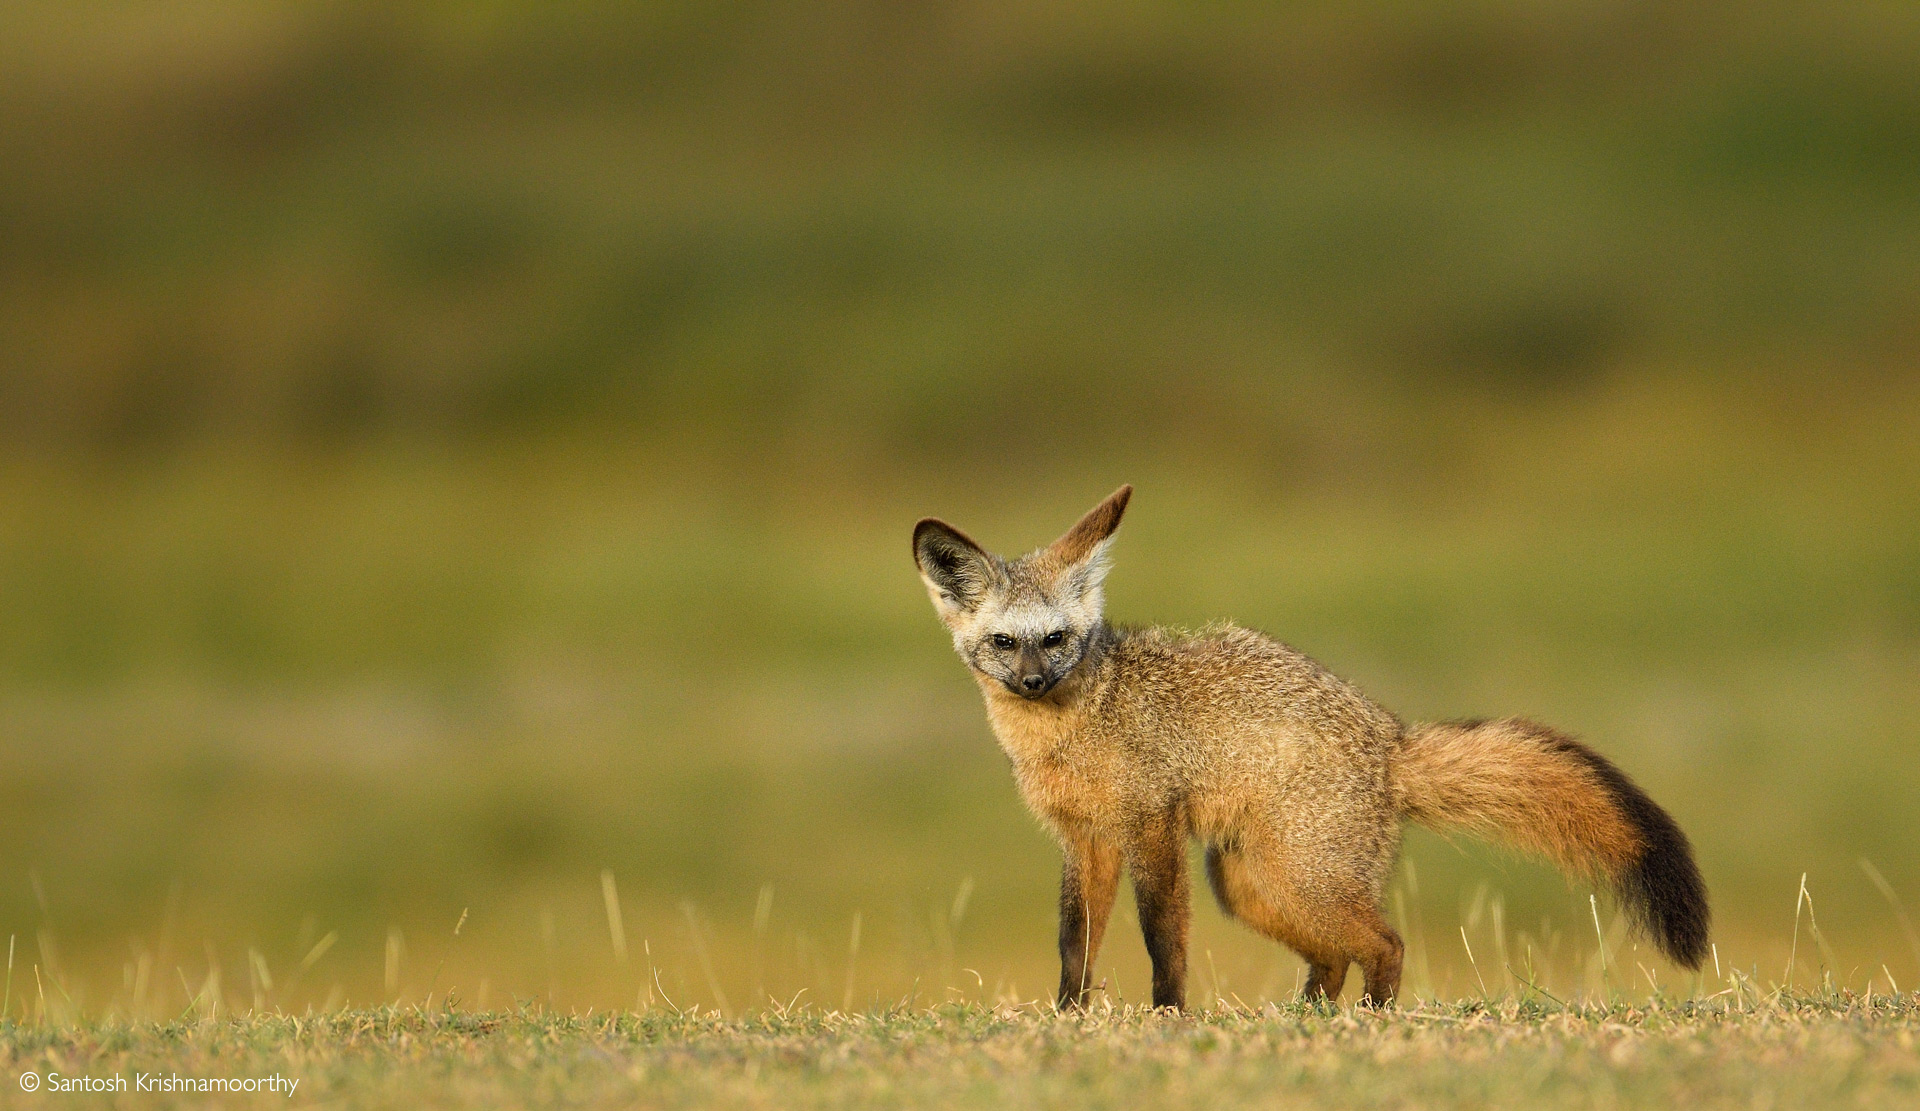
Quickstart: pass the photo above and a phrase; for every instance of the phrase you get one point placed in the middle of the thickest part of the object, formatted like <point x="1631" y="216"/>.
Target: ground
<point x="1746" y="1051"/>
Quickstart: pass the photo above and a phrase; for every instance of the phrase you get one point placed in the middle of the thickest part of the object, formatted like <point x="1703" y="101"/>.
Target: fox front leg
<point x="1088" y="883"/>
<point x="1158" y="860"/>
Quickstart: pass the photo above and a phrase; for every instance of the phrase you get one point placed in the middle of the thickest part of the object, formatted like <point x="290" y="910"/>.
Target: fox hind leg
<point x="1239" y="896"/>
<point x="1330" y="927"/>
<point x="1378" y="949"/>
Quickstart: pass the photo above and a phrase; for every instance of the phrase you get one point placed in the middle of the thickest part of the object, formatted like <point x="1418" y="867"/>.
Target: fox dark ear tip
<point x="920" y="530"/>
<point x="934" y="526"/>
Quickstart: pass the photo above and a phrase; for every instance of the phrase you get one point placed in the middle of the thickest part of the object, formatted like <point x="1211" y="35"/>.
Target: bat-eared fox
<point x="1128" y="741"/>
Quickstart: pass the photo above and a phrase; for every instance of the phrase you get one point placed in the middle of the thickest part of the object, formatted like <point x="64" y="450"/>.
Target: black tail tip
<point x="1669" y="899"/>
<point x="1663" y="889"/>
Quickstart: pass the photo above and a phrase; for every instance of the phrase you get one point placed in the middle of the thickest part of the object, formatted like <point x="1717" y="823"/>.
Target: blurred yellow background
<point x="452" y="456"/>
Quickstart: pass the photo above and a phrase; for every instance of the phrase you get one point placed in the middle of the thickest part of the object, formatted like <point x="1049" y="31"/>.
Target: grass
<point x="1737" y="1049"/>
<point x="249" y="703"/>
<point x="446" y="456"/>
<point x="828" y="235"/>
<point x="456" y="466"/>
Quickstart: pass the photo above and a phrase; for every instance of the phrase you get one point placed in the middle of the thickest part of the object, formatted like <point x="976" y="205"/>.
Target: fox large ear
<point x="1082" y="551"/>
<point x="1092" y="530"/>
<point x="957" y="571"/>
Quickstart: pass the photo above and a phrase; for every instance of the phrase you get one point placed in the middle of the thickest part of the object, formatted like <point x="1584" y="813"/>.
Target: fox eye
<point x="1002" y="641"/>
<point x="1052" y="640"/>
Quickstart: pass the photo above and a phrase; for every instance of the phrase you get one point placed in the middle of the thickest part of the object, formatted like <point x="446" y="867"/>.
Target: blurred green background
<point x="452" y="452"/>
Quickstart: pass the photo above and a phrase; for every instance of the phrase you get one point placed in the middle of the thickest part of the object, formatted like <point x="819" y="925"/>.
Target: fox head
<point x="1024" y="623"/>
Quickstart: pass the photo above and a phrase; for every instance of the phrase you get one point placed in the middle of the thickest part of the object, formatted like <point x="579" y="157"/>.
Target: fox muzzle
<point x="1031" y="676"/>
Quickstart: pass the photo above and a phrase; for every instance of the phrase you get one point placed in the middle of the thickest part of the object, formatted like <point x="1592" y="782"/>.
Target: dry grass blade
<point x="1893" y="900"/>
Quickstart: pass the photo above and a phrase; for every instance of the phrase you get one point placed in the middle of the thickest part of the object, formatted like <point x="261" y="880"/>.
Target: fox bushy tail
<point x="1543" y="792"/>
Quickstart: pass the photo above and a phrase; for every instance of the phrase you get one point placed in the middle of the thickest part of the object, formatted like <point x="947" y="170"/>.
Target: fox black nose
<point x="1034" y="682"/>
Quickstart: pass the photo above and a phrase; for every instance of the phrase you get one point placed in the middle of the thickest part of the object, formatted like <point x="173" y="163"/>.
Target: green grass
<point x="805" y="231"/>
<point x="249" y="700"/>
<point x="1739" y="1049"/>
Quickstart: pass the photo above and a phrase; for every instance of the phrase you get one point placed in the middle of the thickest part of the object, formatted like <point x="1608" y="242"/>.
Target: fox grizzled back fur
<point x="1127" y="742"/>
